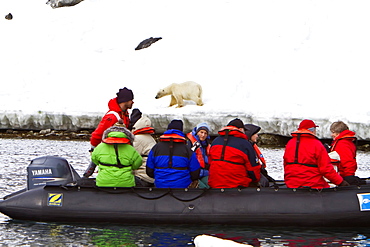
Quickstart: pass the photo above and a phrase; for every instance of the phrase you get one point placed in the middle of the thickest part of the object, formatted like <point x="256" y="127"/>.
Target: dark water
<point x="15" y="155"/>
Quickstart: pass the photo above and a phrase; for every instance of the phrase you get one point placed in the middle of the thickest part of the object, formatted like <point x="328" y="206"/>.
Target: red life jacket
<point x="146" y="130"/>
<point x="232" y="130"/>
<point x="198" y="151"/>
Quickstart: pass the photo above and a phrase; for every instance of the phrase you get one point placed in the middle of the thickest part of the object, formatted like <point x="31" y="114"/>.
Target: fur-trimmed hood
<point x="124" y="130"/>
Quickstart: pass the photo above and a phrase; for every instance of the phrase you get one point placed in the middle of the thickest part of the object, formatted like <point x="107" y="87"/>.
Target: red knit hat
<point x="306" y="124"/>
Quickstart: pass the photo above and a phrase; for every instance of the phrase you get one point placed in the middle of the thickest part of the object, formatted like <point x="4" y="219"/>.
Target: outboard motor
<point x="51" y="170"/>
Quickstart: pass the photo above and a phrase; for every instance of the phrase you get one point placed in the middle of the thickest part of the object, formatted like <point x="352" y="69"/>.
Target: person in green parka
<point x="116" y="158"/>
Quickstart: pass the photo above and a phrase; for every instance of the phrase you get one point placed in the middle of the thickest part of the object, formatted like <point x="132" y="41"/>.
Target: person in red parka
<point x="343" y="151"/>
<point x="118" y="109"/>
<point x="117" y="113"/>
<point x="306" y="161"/>
<point x="232" y="159"/>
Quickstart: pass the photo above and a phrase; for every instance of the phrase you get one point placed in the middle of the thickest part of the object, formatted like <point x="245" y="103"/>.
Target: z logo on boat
<point x="364" y="200"/>
<point x="55" y="199"/>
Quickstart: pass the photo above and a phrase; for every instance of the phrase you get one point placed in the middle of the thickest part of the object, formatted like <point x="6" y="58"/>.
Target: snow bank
<point x="271" y="63"/>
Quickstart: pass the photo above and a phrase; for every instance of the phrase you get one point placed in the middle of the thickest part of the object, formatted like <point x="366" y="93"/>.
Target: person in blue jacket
<point x="171" y="162"/>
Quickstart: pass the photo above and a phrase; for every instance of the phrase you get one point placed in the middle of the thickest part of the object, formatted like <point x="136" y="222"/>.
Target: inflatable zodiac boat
<point x="56" y="193"/>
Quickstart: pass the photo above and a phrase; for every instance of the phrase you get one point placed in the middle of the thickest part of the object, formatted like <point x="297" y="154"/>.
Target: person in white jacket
<point x="143" y="143"/>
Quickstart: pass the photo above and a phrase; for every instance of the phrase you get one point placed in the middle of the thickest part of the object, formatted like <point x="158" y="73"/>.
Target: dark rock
<point x="46" y="134"/>
<point x="147" y="42"/>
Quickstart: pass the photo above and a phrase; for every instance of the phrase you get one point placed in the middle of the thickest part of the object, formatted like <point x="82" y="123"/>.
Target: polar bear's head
<point x="161" y="93"/>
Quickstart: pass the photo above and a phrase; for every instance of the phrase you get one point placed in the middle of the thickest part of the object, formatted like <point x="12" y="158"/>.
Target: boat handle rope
<point x="170" y="192"/>
<point x="129" y="191"/>
<point x="149" y="198"/>
<point x="188" y="200"/>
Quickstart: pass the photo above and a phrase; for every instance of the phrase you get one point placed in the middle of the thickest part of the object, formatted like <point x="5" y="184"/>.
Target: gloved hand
<point x="203" y="173"/>
<point x="344" y="183"/>
<point x="354" y="180"/>
<point x="327" y="147"/>
<point x="90" y="170"/>
<point x="91" y="149"/>
<point x="195" y="146"/>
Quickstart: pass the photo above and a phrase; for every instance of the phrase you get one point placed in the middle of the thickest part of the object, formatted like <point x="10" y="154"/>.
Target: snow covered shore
<point x="270" y="63"/>
<point x="89" y="121"/>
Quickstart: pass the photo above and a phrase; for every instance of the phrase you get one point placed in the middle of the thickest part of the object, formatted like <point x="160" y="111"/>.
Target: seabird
<point x="9" y="16"/>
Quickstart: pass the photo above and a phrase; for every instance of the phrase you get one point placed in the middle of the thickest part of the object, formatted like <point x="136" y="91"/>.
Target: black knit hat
<point x="236" y="123"/>
<point x="176" y="124"/>
<point x="135" y="116"/>
<point x="124" y="95"/>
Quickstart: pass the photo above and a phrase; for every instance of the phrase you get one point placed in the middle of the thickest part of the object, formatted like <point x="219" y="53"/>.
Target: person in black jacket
<point x="251" y="131"/>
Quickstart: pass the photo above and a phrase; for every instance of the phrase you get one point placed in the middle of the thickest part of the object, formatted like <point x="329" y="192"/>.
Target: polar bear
<point x="179" y="92"/>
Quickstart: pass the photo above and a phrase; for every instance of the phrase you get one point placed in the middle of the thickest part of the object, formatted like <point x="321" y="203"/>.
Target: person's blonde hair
<point x="338" y="127"/>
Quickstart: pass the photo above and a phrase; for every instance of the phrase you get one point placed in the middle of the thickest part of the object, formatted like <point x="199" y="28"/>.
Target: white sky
<point x="265" y="59"/>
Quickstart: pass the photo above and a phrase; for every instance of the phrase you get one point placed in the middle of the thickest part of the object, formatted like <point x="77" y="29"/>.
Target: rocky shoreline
<point x="265" y="140"/>
<point x="83" y="135"/>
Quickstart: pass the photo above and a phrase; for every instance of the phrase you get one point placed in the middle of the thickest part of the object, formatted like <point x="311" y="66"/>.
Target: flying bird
<point x="147" y="42"/>
<point x="9" y="16"/>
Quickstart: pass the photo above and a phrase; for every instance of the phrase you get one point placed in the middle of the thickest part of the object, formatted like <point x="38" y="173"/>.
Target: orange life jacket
<point x="172" y="137"/>
<point x="116" y="140"/>
<point x="198" y="151"/>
